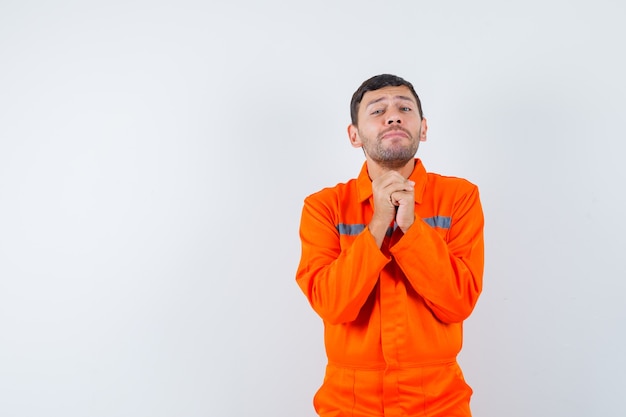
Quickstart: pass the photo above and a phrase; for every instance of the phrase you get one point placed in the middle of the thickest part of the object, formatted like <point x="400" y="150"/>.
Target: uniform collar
<point x="364" y="183"/>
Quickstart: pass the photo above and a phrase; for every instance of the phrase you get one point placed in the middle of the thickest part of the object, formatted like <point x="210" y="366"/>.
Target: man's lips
<point x="396" y="133"/>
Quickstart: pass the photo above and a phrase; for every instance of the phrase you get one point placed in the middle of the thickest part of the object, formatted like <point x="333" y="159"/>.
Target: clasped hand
<point x="393" y="199"/>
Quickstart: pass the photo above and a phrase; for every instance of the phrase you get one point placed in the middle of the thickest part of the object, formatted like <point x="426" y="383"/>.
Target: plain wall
<point x="154" y="156"/>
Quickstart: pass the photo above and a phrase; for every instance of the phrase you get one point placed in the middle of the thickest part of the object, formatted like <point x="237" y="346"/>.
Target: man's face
<point x="389" y="126"/>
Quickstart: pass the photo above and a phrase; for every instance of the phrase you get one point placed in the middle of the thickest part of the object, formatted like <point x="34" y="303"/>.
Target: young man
<point x="392" y="261"/>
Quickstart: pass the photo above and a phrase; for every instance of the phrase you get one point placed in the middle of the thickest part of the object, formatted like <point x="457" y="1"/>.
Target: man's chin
<point x="394" y="163"/>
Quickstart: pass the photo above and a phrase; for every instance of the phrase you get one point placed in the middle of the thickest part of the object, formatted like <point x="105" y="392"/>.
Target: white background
<point x="154" y="156"/>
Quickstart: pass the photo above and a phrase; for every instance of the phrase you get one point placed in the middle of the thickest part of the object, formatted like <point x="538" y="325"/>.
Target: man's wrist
<point x="378" y="229"/>
<point x="406" y="227"/>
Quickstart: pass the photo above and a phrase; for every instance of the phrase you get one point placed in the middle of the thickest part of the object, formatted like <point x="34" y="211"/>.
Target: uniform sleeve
<point x="448" y="272"/>
<point x="336" y="281"/>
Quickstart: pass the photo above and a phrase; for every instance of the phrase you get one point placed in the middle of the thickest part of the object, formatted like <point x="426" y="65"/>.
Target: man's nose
<point x="393" y="117"/>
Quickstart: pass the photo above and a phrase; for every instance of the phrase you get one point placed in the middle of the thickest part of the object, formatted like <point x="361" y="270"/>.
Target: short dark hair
<point x="376" y="83"/>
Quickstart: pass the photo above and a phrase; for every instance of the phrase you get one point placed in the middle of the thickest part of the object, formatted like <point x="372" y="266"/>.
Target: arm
<point x="336" y="282"/>
<point x="446" y="273"/>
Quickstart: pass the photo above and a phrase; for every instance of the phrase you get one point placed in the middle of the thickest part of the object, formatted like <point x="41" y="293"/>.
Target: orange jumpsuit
<point x="393" y="315"/>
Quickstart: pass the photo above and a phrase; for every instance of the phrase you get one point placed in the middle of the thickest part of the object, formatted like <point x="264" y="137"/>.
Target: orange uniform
<point x="393" y="315"/>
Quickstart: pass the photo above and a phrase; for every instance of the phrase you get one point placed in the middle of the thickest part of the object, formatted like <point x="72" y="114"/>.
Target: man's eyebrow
<point x="406" y="98"/>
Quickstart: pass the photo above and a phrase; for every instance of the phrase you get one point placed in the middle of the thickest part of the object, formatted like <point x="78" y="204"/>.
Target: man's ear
<point x="423" y="130"/>
<point x="353" y="135"/>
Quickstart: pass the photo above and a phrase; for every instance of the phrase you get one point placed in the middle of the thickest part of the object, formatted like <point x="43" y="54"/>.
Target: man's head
<point x="387" y="121"/>
<point x="375" y="83"/>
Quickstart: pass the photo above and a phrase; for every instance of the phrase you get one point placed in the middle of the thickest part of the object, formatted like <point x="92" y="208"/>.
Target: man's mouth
<point x="394" y="133"/>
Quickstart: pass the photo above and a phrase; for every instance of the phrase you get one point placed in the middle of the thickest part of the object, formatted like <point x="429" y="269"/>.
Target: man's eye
<point x="378" y="111"/>
<point x="405" y="108"/>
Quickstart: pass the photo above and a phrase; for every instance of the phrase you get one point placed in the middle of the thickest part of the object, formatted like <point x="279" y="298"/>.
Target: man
<point x="392" y="261"/>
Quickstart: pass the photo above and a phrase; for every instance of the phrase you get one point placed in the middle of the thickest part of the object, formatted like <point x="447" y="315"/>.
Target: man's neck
<point x="374" y="170"/>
